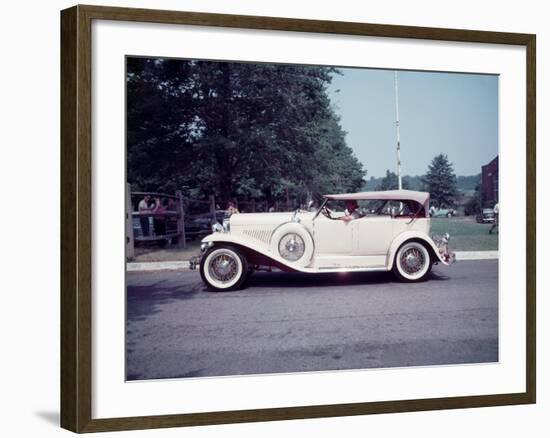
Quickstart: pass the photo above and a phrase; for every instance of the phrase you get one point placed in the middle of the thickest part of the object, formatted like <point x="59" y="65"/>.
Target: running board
<point x="345" y="269"/>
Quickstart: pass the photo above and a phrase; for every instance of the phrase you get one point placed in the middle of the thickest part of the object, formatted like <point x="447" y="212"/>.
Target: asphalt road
<point x="303" y="322"/>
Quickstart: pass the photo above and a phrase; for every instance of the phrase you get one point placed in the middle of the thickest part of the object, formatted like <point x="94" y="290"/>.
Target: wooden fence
<point x="169" y="223"/>
<point x="178" y="218"/>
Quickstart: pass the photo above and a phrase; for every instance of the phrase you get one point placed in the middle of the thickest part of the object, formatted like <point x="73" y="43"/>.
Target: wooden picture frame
<point x="76" y="218"/>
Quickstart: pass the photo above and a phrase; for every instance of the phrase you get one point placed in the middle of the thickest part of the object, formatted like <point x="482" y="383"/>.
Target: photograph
<point x="291" y="218"/>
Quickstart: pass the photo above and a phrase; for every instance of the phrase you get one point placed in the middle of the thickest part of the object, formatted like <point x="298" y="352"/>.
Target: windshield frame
<point x="417" y="214"/>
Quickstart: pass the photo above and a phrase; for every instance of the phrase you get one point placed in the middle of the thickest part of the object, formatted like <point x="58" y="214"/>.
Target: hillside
<point x="465" y="183"/>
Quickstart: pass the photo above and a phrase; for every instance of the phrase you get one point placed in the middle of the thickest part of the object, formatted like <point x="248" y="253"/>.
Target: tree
<point x="246" y="130"/>
<point x="390" y="182"/>
<point x="440" y="181"/>
<point x="475" y="203"/>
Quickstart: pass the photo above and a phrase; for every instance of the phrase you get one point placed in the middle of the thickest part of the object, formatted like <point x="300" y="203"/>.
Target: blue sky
<point x="451" y="113"/>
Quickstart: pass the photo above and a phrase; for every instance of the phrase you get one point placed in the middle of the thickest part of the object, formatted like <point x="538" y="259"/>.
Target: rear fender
<point x="417" y="236"/>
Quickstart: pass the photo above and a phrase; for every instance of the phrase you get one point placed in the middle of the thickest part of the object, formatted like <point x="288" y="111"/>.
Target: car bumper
<point x="450" y="257"/>
<point x="194" y="262"/>
<point x="446" y="256"/>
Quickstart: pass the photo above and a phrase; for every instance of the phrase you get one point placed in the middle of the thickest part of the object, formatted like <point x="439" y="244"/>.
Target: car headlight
<point x="205" y="246"/>
<point x="217" y="228"/>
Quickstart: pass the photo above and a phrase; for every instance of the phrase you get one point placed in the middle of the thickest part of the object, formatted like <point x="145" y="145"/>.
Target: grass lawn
<point x="466" y="235"/>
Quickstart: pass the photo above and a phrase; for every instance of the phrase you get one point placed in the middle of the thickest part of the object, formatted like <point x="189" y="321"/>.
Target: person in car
<point x="352" y="211"/>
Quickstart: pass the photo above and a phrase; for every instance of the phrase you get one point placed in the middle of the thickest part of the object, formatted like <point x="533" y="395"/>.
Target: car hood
<point x="266" y="218"/>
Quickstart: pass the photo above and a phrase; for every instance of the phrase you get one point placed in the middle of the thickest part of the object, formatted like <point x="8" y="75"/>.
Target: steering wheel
<point x="326" y="212"/>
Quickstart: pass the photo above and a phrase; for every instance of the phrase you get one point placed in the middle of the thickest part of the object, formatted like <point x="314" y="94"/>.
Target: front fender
<point x="244" y="242"/>
<point x="413" y="235"/>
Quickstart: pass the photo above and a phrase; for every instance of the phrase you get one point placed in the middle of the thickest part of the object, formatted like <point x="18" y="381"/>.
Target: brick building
<point x="489" y="183"/>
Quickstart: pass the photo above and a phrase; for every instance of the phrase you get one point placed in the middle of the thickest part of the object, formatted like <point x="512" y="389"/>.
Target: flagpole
<point x="399" y="182"/>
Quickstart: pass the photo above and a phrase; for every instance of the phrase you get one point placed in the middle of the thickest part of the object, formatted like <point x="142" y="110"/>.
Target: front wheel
<point x="223" y="268"/>
<point x="412" y="262"/>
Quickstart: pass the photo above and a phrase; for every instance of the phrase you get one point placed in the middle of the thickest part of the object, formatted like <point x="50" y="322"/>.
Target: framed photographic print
<point x="269" y="218"/>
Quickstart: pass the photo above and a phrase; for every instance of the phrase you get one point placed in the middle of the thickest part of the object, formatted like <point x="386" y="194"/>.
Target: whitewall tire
<point x="224" y="268"/>
<point x="412" y="262"/>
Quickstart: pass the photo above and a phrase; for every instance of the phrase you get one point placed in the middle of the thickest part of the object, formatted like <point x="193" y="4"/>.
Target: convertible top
<point x="396" y="195"/>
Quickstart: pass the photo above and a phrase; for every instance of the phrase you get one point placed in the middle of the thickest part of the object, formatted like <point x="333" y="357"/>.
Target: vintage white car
<point x="386" y="231"/>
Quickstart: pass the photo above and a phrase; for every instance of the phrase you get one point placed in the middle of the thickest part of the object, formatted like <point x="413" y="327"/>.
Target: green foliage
<point x="463" y="183"/>
<point x="475" y="203"/>
<point x="440" y="182"/>
<point x="466" y="235"/>
<point x="252" y="131"/>
<point x="390" y="182"/>
<point x="468" y="183"/>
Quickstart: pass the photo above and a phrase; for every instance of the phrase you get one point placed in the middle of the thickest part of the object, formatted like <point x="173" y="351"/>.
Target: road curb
<point x="184" y="265"/>
<point x="157" y="266"/>
<point x="476" y="255"/>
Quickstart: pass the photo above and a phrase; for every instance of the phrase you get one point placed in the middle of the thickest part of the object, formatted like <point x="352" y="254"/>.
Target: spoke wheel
<point x="224" y="268"/>
<point x="412" y="262"/>
<point x="292" y="244"/>
<point x="291" y="247"/>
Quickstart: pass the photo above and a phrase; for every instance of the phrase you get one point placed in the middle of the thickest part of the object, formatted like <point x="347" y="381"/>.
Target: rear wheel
<point x="224" y="268"/>
<point x="412" y="262"/>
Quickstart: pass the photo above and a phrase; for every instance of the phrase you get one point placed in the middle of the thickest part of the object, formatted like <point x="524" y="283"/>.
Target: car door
<point x="332" y="237"/>
<point x="372" y="235"/>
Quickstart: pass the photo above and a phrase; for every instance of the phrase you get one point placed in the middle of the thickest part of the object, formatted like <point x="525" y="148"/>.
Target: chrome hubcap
<point x="223" y="268"/>
<point x="412" y="260"/>
<point x="291" y="247"/>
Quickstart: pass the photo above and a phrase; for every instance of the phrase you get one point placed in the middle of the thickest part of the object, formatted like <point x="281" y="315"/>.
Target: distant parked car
<point x="487" y="216"/>
<point x="201" y="225"/>
<point x="443" y="212"/>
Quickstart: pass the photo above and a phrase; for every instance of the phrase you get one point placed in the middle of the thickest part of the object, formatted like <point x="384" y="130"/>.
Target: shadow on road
<point x="142" y="300"/>
<point x="438" y="276"/>
<point x="298" y="279"/>
<point x="302" y="280"/>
